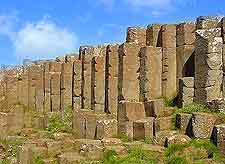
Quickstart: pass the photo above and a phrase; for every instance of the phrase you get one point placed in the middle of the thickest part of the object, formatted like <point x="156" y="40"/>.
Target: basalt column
<point x="77" y="67"/>
<point x="185" y="34"/>
<point x="128" y="80"/>
<point x="55" y="69"/>
<point x="2" y="94"/>
<point x="150" y="73"/>
<point x="40" y="89"/>
<point x="11" y="93"/>
<point x="209" y="73"/>
<point x="154" y="35"/>
<point x="136" y="35"/>
<point x="47" y="87"/>
<point x="111" y="78"/>
<point x="22" y="88"/>
<point x="36" y="87"/>
<point x="66" y="85"/>
<point x="169" y="61"/>
<point x="86" y="54"/>
<point x="32" y="73"/>
<point x="98" y="79"/>
<point x="223" y="35"/>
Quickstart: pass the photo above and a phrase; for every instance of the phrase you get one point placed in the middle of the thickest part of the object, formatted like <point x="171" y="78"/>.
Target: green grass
<point x="5" y="162"/>
<point x="135" y="156"/>
<point x="38" y="160"/>
<point x="169" y="102"/>
<point x="148" y="141"/>
<point x="60" y="122"/>
<point x="194" y="107"/>
<point x="192" y="152"/>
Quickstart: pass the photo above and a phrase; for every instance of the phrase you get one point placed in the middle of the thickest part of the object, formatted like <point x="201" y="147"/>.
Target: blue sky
<point x="42" y="29"/>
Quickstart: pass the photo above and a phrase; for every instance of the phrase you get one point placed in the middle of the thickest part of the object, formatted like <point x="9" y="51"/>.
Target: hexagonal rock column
<point x="55" y="85"/>
<point x="128" y="112"/>
<point x="129" y="65"/>
<point x="218" y="137"/>
<point x="186" y="92"/>
<point x="98" y="80"/>
<point x="169" y="70"/>
<point x="185" y="39"/>
<point x="40" y="89"/>
<point x="136" y="35"/>
<point x="111" y="78"/>
<point x="163" y="123"/>
<point x="47" y="87"/>
<point x="85" y="124"/>
<point x="185" y="34"/>
<point x="10" y="94"/>
<point x="150" y="73"/>
<point x="202" y="125"/>
<point x="208" y="22"/>
<point x="89" y="77"/>
<point x="143" y="129"/>
<point x="86" y="54"/>
<point x="183" y="122"/>
<point x="106" y="128"/>
<point x="153" y="35"/>
<point x="223" y="28"/>
<point x="67" y="85"/>
<point x="223" y="35"/>
<point x="15" y="120"/>
<point x="55" y="91"/>
<point x="155" y="108"/>
<point x="36" y="87"/>
<point x="208" y="65"/>
<point x="77" y="82"/>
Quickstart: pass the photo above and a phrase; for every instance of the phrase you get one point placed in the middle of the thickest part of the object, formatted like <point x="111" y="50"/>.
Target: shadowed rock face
<point x="118" y="88"/>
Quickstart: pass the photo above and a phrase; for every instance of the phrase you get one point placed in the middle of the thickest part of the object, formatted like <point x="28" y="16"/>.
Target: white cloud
<point x="43" y="39"/>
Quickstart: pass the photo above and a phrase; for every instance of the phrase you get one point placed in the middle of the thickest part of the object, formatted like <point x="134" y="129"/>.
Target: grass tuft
<point x="134" y="156"/>
<point x="60" y="122"/>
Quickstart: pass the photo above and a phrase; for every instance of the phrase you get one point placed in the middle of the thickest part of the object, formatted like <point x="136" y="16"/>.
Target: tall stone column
<point x="128" y="80"/>
<point x="136" y="35"/>
<point x="98" y="79"/>
<point x="185" y="39"/>
<point x="208" y="70"/>
<point x="111" y="78"/>
<point x="66" y="85"/>
<point x="47" y="88"/>
<point x="154" y="35"/>
<point x="169" y="88"/>
<point x="40" y="89"/>
<point x="77" y="84"/>
<point x="55" y="74"/>
<point x="150" y="73"/>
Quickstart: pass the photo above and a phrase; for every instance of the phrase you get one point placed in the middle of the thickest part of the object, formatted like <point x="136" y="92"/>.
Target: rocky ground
<point x="56" y="144"/>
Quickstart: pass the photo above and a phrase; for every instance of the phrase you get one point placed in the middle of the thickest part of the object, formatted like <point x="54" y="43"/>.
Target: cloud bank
<point x="43" y="39"/>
